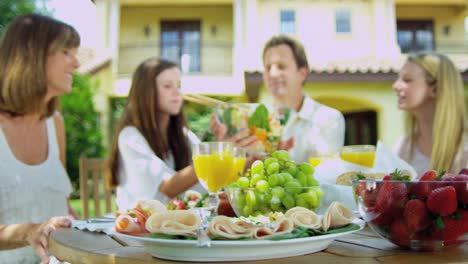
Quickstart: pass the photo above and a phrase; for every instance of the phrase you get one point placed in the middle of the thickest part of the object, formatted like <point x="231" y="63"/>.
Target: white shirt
<point x="31" y="193"/>
<point x="421" y="163"/>
<point x="141" y="171"/>
<point x="318" y="130"/>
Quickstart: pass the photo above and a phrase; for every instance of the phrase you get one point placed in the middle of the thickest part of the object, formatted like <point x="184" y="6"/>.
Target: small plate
<point x="236" y="250"/>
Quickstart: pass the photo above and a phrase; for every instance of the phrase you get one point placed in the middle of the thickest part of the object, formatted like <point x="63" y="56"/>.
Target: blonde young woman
<point x="430" y="91"/>
<point x="37" y="58"/>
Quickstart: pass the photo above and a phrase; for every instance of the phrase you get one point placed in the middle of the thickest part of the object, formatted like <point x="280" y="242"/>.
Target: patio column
<point x="113" y="33"/>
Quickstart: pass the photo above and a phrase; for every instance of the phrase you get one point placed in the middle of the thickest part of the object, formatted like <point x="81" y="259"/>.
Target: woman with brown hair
<point x="37" y="58"/>
<point x="151" y="155"/>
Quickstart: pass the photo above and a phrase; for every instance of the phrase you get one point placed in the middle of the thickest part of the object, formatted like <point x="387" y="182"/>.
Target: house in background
<point x="355" y="48"/>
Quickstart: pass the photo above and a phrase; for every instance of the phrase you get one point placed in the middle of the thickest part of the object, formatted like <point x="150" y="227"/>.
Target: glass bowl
<point x="252" y="201"/>
<point x="418" y="215"/>
<point x="266" y="123"/>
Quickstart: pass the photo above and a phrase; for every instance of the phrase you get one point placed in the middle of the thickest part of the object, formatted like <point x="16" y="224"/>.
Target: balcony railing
<point x="446" y="47"/>
<point x="212" y="58"/>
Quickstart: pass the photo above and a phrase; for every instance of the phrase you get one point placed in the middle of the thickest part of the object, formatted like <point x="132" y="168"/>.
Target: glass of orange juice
<point x="217" y="164"/>
<point x="363" y="155"/>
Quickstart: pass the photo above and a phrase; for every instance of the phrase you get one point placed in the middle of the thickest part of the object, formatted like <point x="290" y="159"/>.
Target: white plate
<point x="227" y="250"/>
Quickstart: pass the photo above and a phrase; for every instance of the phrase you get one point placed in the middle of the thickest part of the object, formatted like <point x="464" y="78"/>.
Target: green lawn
<point x="76" y="204"/>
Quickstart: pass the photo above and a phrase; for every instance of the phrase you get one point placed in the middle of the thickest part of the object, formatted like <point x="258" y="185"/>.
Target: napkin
<point x="329" y="169"/>
<point x="54" y="260"/>
<point x="94" y="225"/>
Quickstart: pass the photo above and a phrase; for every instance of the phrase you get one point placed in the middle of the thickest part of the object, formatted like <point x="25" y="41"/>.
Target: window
<point x="180" y="43"/>
<point x="415" y="35"/>
<point x="343" y="21"/>
<point x="288" y="21"/>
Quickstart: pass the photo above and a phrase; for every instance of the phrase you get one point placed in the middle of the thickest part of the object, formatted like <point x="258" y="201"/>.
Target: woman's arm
<point x="61" y="139"/>
<point x="36" y="235"/>
<point x="179" y="182"/>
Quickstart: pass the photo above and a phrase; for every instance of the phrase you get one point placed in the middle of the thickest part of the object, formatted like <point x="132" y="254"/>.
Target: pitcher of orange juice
<point x="363" y="155"/>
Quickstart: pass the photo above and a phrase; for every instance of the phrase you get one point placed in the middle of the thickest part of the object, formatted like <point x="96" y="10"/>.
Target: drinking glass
<point x="363" y="155"/>
<point x="217" y="164"/>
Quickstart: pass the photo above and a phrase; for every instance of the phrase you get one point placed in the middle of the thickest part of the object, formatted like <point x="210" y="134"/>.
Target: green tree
<point x="84" y="136"/>
<point x="9" y="9"/>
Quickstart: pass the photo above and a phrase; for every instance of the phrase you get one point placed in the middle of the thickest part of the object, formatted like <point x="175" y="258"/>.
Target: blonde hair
<point x="450" y="118"/>
<point x="24" y="48"/>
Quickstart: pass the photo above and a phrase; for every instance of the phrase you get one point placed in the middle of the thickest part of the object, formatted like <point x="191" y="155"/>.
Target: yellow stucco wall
<point x="354" y="97"/>
<point x="216" y="48"/>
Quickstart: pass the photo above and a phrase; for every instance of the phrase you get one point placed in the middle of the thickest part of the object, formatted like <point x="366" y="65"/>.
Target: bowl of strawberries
<point x="424" y="215"/>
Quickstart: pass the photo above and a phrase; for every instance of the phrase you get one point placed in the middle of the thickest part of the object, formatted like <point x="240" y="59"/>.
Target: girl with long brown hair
<point x="151" y="156"/>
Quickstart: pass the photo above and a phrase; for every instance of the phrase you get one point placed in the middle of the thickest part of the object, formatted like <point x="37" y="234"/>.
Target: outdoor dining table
<point x="77" y="246"/>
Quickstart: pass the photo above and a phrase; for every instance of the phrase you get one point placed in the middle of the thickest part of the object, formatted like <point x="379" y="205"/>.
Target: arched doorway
<point x="361" y="118"/>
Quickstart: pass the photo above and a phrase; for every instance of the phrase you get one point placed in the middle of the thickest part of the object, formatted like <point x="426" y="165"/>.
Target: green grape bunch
<point x="275" y="184"/>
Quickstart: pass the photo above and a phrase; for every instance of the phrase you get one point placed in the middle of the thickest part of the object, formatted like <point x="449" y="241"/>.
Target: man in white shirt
<point x="316" y="129"/>
<point x="312" y="129"/>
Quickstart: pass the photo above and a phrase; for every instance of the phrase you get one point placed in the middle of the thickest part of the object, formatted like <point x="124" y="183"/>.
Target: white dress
<point x="318" y="130"/>
<point x="141" y="171"/>
<point x="421" y="163"/>
<point x="31" y="193"/>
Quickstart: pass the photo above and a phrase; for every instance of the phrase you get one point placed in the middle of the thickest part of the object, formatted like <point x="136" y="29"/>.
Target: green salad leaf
<point x="259" y="118"/>
<point x="306" y="232"/>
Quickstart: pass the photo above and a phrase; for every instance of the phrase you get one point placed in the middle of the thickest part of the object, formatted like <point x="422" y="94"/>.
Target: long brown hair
<point x="24" y="48"/>
<point x="141" y="111"/>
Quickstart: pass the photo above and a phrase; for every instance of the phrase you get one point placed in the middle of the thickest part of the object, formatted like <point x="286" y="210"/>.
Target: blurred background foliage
<point x="9" y="9"/>
<point x="82" y="124"/>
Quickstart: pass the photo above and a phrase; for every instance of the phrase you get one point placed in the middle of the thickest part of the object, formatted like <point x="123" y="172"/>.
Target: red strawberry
<point x="391" y="198"/>
<point x="449" y="228"/>
<point x="461" y="188"/>
<point x="442" y="201"/>
<point x="463" y="171"/>
<point x="448" y="177"/>
<point x="366" y="194"/>
<point x="399" y="233"/>
<point x="387" y="177"/>
<point x="464" y="218"/>
<point x="430" y="175"/>
<point x="423" y="189"/>
<point x="416" y="215"/>
<point x="382" y="219"/>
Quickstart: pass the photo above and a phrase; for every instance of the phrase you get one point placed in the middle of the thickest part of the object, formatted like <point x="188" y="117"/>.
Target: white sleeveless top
<point x="31" y="193"/>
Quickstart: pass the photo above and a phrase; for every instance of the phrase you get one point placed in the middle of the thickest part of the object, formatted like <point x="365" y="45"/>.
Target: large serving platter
<point x="236" y="250"/>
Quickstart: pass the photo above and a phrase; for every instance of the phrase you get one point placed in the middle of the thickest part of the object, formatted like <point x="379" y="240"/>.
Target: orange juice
<point x="217" y="170"/>
<point x="237" y="170"/>
<point x="360" y="158"/>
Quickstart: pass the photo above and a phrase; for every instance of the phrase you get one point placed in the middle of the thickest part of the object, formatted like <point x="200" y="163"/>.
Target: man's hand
<point x="242" y="139"/>
<point x="287" y="144"/>
<point x="217" y="128"/>
<point x="38" y="237"/>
